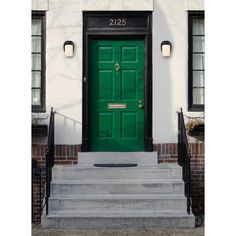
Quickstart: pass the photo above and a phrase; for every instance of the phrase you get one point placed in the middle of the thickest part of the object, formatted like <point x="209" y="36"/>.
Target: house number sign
<point x="109" y="22"/>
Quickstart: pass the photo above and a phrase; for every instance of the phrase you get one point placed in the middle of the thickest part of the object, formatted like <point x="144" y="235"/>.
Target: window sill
<point x="196" y="109"/>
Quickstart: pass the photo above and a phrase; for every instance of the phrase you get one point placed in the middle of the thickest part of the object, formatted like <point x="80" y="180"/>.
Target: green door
<point x="116" y="95"/>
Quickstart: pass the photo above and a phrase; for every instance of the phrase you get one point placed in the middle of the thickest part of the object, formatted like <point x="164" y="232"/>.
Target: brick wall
<point x="64" y="154"/>
<point x="168" y="153"/>
<point x="197" y="174"/>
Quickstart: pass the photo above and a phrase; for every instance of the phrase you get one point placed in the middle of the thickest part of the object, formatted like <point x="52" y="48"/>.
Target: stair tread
<point x="167" y="166"/>
<point x="115" y="181"/>
<point x="119" y="196"/>
<point x="118" y="214"/>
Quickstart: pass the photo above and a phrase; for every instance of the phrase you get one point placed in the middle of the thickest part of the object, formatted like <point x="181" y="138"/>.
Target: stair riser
<point x="117" y="223"/>
<point x="114" y="173"/>
<point x="81" y="189"/>
<point x="142" y="158"/>
<point x="118" y="205"/>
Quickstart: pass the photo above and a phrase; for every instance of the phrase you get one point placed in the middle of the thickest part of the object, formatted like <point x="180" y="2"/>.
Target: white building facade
<point x="63" y="76"/>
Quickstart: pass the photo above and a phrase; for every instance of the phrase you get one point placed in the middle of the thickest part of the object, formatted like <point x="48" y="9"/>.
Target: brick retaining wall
<point x="168" y="153"/>
<point x="64" y="154"/>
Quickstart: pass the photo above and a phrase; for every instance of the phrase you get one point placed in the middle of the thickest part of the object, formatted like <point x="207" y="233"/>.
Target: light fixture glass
<point x="68" y="49"/>
<point x="166" y="48"/>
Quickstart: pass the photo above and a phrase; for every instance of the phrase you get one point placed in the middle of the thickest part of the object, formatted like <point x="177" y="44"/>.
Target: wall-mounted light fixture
<point x="68" y="47"/>
<point x="166" y="48"/>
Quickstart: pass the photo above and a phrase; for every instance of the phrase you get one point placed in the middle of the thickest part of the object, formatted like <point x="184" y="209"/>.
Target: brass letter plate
<point x="116" y="106"/>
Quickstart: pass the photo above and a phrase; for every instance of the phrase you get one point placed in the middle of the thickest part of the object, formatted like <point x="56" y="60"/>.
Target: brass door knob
<point x="140" y="106"/>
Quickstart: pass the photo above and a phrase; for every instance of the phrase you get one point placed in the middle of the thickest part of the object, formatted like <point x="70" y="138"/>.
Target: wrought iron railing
<point x="184" y="157"/>
<point x="49" y="159"/>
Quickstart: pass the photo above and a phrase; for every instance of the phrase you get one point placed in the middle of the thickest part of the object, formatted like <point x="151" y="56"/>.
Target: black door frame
<point x="99" y="32"/>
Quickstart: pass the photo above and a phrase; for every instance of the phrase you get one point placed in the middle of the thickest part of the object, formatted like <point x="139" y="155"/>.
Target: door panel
<point x="105" y="125"/>
<point x="105" y="85"/>
<point x="116" y="94"/>
<point x="128" y="121"/>
<point x="128" y="84"/>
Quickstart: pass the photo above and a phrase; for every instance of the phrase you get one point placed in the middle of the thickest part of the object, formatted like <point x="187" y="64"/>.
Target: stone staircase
<point x="146" y="195"/>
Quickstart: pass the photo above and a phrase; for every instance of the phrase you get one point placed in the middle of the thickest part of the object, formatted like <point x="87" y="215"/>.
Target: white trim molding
<point x="194" y="5"/>
<point x="117" y="5"/>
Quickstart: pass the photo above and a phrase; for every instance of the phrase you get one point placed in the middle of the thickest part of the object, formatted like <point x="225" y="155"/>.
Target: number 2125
<point x="117" y="22"/>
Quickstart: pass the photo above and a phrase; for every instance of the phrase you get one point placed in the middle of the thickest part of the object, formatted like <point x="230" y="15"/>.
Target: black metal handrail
<point x="184" y="157"/>
<point x="49" y="158"/>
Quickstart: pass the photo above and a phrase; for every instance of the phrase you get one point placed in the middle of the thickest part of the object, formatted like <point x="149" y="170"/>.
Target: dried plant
<point x="192" y="124"/>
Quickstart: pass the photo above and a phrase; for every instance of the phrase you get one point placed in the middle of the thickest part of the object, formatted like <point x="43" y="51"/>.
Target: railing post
<point x="53" y="128"/>
<point x="184" y="156"/>
<point x="49" y="158"/>
<point x="179" y="141"/>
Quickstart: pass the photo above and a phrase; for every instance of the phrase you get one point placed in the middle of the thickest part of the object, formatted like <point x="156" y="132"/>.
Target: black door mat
<point x="115" y="165"/>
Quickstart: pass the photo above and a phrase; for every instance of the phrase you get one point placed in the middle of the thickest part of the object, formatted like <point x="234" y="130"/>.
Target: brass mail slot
<point x="116" y="106"/>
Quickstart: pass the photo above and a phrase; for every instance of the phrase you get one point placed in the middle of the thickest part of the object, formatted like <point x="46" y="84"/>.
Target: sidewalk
<point x="37" y="231"/>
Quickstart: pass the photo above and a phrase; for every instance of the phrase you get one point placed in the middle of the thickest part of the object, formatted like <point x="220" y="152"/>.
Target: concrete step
<point x="140" y="158"/>
<point x="116" y="219"/>
<point x="147" y="195"/>
<point x="74" y="172"/>
<point x="123" y="186"/>
<point x="118" y="203"/>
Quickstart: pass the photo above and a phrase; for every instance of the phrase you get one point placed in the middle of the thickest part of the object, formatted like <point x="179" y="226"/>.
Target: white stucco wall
<point x="64" y="75"/>
<point x="169" y="74"/>
<point x="39" y="5"/>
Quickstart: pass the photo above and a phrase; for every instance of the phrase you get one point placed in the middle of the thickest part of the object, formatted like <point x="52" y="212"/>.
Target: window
<point x="38" y="62"/>
<point x="196" y="88"/>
